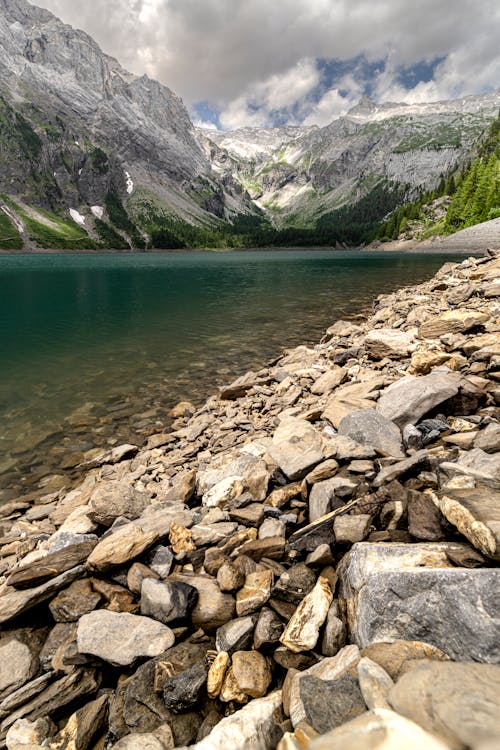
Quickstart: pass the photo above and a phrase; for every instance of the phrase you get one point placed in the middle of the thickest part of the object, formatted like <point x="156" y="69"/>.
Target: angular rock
<point x="224" y="492"/>
<point x="378" y="730"/>
<point x="230" y="578"/>
<point x="351" y="529"/>
<point x="134" y="538"/>
<point x="112" y="500"/>
<point x="397" y="657"/>
<point x="327" y="669"/>
<point x="294" y="584"/>
<point x="254" y="727"/>
<point x="272" y="527"/>
<point x="213" y="608"/>
<point x="482" y="467"/>
<point x="77" y="600"/>
<point x="250" y="470"/>
<point x="136" y="575"/>
<point x="409" y="399"/>
<point x="452" y="321"/>
<point x="401" y="468"/>
<point x="217" y="674"/>
<point x="250" y="515"/>
<point x="236" y="635"/>
<point x="302" y="632"/>
<point x="252" y="673"/>
<point x="389" y="342"/>
<point x="460" y="703"/>
<point x="26" y="733"/>
<point x="51" y="565"/>
<point x="334" y="637"/>
<point x="323" y="499"/>
<point x="330" y="703"/>
<point x="329" y="380"/>
<point x="183" y="691"/>
<point x="83" y="726"/>
<point x="488" y="439"/>
<point x="121" y="638"/>
<point x="390" y="594"/>
<point x="16" y="603"/>
<point x="374" y="683"/>
<point x="170" y="602"/>
<point x="475" y="513"/>
<point x="19" y="663"/>
<point x="370" y="427"/>
<point x="255" y="592"/>
<point x="296" y="447"/>
<point x="424" y="518"/>
<point x="268" y="630"/>
<point x="160" y="560"/>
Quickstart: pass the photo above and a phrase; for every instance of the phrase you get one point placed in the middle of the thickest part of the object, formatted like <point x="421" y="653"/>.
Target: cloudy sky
<point x="265" y="62"/>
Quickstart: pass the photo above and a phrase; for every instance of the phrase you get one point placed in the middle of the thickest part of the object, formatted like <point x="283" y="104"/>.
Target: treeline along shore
<point x="309" y="561"/>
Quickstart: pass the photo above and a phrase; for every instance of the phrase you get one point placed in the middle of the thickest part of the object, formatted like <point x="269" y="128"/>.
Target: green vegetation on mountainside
<point x="10" y="239"/>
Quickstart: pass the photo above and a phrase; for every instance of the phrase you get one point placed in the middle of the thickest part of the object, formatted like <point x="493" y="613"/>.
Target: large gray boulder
<point x="296" y="447"/>
<point x="411" y="592"/>
<point x="409" y="399"/>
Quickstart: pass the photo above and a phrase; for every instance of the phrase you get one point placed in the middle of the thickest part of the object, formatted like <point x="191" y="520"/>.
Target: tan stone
<point x="255" y="593"/>
<point x="217" y="674"/>
<point x="452" y="321"/>
<point x="181" y="539"/>
<point x="302" y="632"/>
<point x="252" y="673"/>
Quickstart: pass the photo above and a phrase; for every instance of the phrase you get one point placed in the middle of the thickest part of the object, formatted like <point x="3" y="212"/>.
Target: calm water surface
<point x="94" y="349"/>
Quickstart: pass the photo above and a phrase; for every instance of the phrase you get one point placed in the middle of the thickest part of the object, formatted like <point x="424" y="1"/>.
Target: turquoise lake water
<point x="94" y="349"/>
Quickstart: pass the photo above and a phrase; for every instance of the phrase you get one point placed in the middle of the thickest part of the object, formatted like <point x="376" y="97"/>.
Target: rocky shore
<point x="309" y="561"/>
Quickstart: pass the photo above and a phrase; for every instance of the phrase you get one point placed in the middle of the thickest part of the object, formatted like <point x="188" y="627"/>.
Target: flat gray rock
<point x="476" y="514"/>
<point x="370" y="427"/>
<point x="296" y="447"/>
<point x="409" y="399"/>
<point x="411" y="592"/>
<point x="15" y="603"/>
<point x="460" y="703"/>
<point x="120" y="638"/>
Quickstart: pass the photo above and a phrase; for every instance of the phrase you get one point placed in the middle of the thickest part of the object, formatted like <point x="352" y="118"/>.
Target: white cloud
<point x="246" y="55"/>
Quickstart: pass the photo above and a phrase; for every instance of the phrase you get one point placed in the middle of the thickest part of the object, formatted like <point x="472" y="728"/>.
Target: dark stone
<point x="424" y="519"/>
<point x="328" y="704"/>
<point x="288" y="660"/>
<point x="293" y="585"/>
<point x="183" y="691"/>
<point x="236" y="635"/>
<point x="170" y="602"/>
<point x="268" y="629"/>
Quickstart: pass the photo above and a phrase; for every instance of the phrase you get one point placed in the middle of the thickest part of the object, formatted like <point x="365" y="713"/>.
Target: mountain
<point x="298" y="175"/>
<point x="76" y="128"/>
<point x="92" y="156"/>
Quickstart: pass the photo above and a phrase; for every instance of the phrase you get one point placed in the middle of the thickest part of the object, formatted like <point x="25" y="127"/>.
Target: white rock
<point x="302" y="631"/>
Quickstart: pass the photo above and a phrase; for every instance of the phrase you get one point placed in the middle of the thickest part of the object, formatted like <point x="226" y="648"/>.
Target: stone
<point x="330" y="703"/>
<point x="460" y="703"/>
<point x="170" y="602"/>
<point x="396" y="658"/>
<point x="118" y="598"/>
<point x="19" y="663"/>
<point x="478" y="465"/>
<point x="213" y="608"/>
<point x="16" y="603"/>
<point x="335" y="634"/>
<point x="475" y="513"/>
<point x="236" y="635"/>
<point x="230" y="578"/>
<point x="329" y="380"/>
<point x="83" y="726"/>
<point x="112" y="500"/>
<point x="183" y="691"/>
<point x="132" y="539"/>
<point x="204" y="534"/>
<point x="160" y="560"/>
<point x="136" y="575"/>
<point x="181" y="540"/>
<point x="182" y="410"/>
<point x="51" y="565"/>
<point x="77" y="600"/>
<point x="25" y="733"/>
<point x="374" y="683"/>
<point x="294" y="584"/>
<point x="488" y="440"/>
<point x="302" y="631"/>
<point x="378" y="730"/>
<point x="296" y="447"/>
<point x="321" y="556"/>
<point x="254" y="727"/>
<point x="424" y="519"/>
<point x="452" y="321"/>
<point x="249" y="515"/>
<point x="224" y="492"/>
<point x="255" y="593"/>
<point x="217" y="674"/>
<point x="422" y="362"/>
<point x="251" y="471"/>
<point x="324" y="496"/>
<point x="122" y="638"/>
<point x="252" y="673"/>
<point x="230" y="692"/>
<point x="327" y="669"/>
<point x="402" y="468"/>
<point x="55" y="696"/>
<point x="409" y="399"/>
<point x="272" y="548"/>
<point x="389" y="342"/>
<point x="351" y="529"/>
<point x="268" y="630"/>
<point x="370" y="427"/>
<point x="410" y="592"/>
<point x="272" y="527"/>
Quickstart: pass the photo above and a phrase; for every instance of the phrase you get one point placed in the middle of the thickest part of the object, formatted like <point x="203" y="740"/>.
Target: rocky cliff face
<point x="76" y="125"/>
<point x="298" y="174"/>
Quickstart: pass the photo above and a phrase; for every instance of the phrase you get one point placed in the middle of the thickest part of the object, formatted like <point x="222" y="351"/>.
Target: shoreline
<point x="283" y="530"/>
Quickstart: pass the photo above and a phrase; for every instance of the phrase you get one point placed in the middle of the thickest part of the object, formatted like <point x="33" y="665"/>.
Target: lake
<point x="94" y="349"/>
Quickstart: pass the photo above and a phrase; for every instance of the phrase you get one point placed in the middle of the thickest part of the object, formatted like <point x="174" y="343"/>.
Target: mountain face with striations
<point x="299" y="174"/>
<point x="93" y="156"/>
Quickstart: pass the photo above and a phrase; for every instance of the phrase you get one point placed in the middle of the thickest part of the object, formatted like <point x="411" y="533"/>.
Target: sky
<point x="239" y="63"/>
